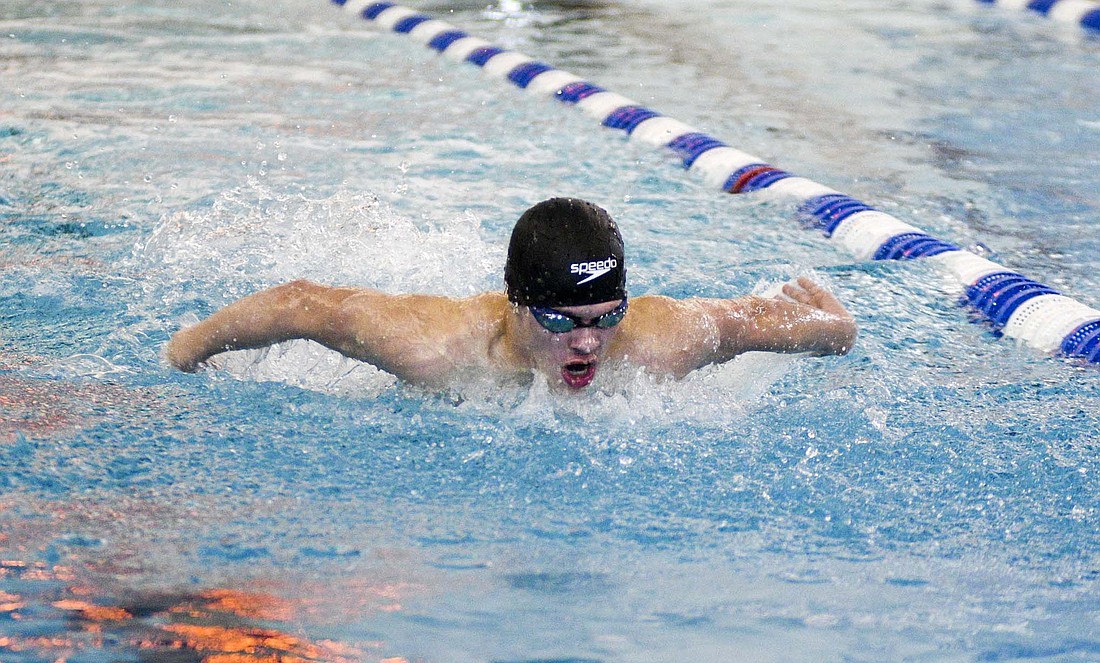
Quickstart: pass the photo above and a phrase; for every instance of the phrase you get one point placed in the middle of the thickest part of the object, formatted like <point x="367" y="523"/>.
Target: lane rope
<point x="1013" y="304"/>
<point x="1085" y="13"/>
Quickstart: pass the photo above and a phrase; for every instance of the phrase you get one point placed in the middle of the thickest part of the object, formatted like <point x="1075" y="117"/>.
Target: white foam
<point x="306" y="365"/>
<point x="625" y="398"/>
<point x="252" y="238"/>
<point x="85" y="365"/>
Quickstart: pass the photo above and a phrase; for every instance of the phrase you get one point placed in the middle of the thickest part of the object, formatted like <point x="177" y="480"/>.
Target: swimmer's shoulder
<point x="478" y="319"/>
<point x="487" y="304"/>
<point x="484" y="310"/>
<point x="652" y="312"/>
<point x="430" y="340"/>
<point x="492" y="333"/>
<point x="667" y="336"/>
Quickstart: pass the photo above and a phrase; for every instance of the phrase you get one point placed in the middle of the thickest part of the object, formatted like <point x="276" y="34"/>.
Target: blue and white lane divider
<point x="1085" y="13"/>
<point x="1015" y="305"/>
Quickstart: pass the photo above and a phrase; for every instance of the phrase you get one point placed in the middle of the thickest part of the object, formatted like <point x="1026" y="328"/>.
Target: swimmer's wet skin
<point x="564" y="315"/>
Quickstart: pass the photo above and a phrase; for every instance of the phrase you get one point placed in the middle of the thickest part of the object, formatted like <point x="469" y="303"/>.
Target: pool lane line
<point x="1084" y="13"/>
<point x="1015" y="305"/>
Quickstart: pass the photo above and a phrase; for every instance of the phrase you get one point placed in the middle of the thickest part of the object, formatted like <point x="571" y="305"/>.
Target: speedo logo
<point x="594" y="270"/>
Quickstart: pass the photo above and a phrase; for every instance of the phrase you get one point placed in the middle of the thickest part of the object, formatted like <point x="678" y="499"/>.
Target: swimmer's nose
<point x="584" y="341"/>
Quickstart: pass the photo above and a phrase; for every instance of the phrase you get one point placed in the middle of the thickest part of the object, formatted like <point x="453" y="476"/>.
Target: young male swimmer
<point x="564" y="314"/>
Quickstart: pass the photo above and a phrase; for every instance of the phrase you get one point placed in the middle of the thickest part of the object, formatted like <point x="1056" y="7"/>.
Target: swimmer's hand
<point x="182" y="353"/>
<point x="839" y="331"/>
<point x="805" y="291"/>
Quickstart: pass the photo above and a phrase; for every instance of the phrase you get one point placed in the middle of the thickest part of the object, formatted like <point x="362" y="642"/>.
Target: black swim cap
<point x="565" y="252"/>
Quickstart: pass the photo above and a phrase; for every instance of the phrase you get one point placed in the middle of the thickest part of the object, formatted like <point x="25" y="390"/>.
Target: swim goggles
<point x="557" y="322"/>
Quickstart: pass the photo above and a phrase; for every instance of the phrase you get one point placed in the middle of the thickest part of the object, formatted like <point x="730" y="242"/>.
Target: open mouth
<point x="578" y="374"/>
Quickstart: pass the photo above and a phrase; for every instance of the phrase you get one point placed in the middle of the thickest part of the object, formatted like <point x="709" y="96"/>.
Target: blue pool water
<point x="930" y="497"/>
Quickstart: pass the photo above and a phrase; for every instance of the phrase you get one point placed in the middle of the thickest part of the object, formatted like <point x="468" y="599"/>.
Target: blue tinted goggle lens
<point x="559" y="323"/>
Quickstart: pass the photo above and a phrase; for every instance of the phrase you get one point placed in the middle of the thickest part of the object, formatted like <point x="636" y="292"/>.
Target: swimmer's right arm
<point x="421" y="339"/>
<point x="298" y="309"/>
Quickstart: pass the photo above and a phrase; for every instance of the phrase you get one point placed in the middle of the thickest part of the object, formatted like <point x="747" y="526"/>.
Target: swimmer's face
<point x="569" y="359"/>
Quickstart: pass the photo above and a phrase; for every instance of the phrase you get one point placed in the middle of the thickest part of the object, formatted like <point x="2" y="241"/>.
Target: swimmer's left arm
<point x="810" y="320"/>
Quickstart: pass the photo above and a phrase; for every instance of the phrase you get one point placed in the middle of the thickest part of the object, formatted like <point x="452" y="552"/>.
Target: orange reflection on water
<point x="250" y="605"/>
<point x="92" y="612"/>
<point x="238" y="643"/>
<point x="214" y="626"/>
<point x="10" y="602"/>
<point x="35" y="571"/>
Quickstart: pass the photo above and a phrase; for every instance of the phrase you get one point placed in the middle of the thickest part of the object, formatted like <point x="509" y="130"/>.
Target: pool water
<point x="933" y="496"/>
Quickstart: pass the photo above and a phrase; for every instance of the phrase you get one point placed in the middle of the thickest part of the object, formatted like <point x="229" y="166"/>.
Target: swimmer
<point x="564" y="314"/>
